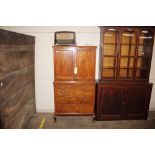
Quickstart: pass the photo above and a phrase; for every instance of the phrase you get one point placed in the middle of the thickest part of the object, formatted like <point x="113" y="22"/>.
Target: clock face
<point x="64" y="36"/>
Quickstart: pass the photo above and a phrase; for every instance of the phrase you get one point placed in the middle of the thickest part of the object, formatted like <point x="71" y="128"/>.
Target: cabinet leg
<point x="93" y="118"/>
<point x="55" y="118"/>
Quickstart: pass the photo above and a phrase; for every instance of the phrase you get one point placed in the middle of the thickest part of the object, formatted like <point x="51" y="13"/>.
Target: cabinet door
<point x="64" y="66"/>
<point x="85" y="63"/>
<point x="144" y="54"/>
<point x="137" y="103"/>
<point x="127" y="54"/>
<point x="109" y="54"/>
<point x="111" y="101"/>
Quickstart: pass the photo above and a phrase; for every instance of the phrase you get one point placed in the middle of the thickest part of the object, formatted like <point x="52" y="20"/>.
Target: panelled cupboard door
<point x="85" y="63"/>
<point x="137" y="102"/>
<point x="110" y="102"/>
<point x="74" y="63"/>
<point x="64" y="64"/>
<point x="123" y="101"/>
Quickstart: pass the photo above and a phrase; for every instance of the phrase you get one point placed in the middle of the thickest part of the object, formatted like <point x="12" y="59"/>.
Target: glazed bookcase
<point x="123" y="89"/>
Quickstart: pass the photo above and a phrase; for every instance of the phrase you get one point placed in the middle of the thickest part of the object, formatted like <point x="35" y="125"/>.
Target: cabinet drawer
<point x="74" y="104"/>
<point x="77" y="90"/>
<point x="74" y="98"/>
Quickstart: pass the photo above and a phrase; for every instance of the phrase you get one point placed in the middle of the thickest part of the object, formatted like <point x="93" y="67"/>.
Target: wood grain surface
<point x="17" y="94"/>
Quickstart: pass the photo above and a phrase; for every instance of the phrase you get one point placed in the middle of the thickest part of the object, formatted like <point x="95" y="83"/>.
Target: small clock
<point x="64" y="38"/>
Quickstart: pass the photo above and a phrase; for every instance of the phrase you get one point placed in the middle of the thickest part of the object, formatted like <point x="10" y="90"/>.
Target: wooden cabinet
<point x="123" y="90"/>
<point x="74" y="84"/>
<point x="122" y="101"/>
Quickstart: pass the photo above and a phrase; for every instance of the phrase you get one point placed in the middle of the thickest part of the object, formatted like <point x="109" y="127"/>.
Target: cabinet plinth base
<point x="67" y="115"/>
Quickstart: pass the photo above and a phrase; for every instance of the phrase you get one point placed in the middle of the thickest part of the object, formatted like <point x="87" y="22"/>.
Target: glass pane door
<point x="110" y="36"/>
<point x="144" y="54"/>
<point x="127" y="54"/>
<point x="110" y="46"/>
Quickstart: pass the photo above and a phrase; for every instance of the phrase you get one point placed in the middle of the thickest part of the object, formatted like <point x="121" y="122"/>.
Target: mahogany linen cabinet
<point x="74" y="80"/>
<point x="123" y="90"/>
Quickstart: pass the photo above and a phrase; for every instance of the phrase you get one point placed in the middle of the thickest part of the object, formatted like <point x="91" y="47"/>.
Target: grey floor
<point x="45" y="121"/>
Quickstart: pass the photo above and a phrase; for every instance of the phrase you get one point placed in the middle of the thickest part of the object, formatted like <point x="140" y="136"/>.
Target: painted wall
<point x="44" y="73"/>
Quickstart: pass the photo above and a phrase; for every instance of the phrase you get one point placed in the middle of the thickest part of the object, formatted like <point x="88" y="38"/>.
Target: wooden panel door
<point x="111" y="101"/>
<point x="85" y="63"/>
<point x="137" y="103"/>
<point x="64" y="65"/>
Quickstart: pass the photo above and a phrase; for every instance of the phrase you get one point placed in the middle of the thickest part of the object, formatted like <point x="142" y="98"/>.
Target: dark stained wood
<point x="13" y="38"/>
<point x="5" y="67"/>
<point x="23" y="59"/>
<point x="12" y="61"/>
<point x="137" y="101"/>
<point x="15" y="48"/>
<point x="15" y="82"/>
<point x="122" y="100"/>
<point x="13" y="106"/>
<point x="17" y="97"/>
<point x="112" y="99"/>
<point x="126" y="93"/>
<point x="144" y="73"/>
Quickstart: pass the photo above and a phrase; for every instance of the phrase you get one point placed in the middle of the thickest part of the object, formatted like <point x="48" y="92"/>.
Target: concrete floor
<point x="45" y="121"/>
